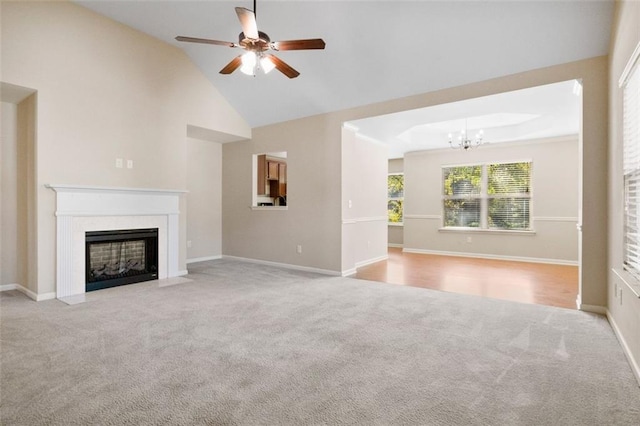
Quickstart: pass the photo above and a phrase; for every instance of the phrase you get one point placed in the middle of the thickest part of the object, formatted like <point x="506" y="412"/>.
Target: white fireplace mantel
<point x="89" y="208"/>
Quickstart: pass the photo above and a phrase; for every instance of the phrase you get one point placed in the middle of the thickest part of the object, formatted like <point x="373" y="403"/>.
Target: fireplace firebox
<point x="120" y="257"/>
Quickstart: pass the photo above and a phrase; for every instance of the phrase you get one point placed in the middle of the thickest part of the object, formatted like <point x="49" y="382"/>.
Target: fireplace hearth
<point x="120" y="257"/>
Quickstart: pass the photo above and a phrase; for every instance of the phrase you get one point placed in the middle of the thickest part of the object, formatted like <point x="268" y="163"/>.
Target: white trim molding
<point x="283" y="265"/>
<point x="394" y="245"/>
<point x="30" y="294"/>
<point x="355" y="220"/>
<point x="627" y="69"/>
<point x="203" y="259"/>
<point x="554" y="219"/>
<point x="348" y="272"/>
<point x="594" y="309"/>
<point x="635" y="365"/>
<point x="423" y="216"/>
<point x="370" y="261"/>
<point x="493" y="257"/>
<point x="88" y="208"/>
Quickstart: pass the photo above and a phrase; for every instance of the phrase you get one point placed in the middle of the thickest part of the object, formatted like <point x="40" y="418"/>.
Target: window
<point x="395" y="198"/>
<point x="487" y="196"/>
<point x="631" y="167"/>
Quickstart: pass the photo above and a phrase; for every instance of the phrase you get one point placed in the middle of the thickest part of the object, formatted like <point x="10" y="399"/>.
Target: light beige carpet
<point x="246" y="344"/>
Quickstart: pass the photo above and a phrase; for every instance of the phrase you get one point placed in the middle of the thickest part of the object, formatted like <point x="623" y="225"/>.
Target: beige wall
<point x="112" y="93"/>
<point x="9" y="205"/>
<point x="204" y="183"/>
<point x="314" y="215"/>
<point x="364" y="213"/>
<point x="554" y="210"/>
<point x="623" y="304"/>
<point x="16" y="196"/>
<point x="395" y="233"/>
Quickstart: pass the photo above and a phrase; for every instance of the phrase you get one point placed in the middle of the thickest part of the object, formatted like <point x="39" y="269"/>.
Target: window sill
<point x="631" y="281"/>
<point x="530" y="233"/>
<point x="400" y="224"/>
<point x="271" y="208"/>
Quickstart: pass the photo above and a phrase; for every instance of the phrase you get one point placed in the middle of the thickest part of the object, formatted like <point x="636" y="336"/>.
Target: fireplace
<point x="120" y="257"/>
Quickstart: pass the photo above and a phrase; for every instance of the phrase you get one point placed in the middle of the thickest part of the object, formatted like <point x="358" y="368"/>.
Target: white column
<point x="173" y="244"/>
<point x="64" y="254"/>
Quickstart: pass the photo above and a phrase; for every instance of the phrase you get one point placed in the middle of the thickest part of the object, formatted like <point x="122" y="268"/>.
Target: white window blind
<point x="509" y="193"/>
<point x="489" y="196"/>
<point x="462" y="196"/>
<point x="631" y="166"/>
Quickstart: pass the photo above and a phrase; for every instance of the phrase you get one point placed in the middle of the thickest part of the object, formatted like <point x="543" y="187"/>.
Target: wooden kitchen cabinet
<point x="272" y="169"/>
<point x="272" y="174"/>
<point x="278" y="188"/>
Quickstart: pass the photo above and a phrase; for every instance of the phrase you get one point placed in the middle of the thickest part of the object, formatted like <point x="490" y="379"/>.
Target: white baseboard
<point x="284" y="265"/>
<point x="493" y="257"/>
<point x="348" y="272"/>
<point x="28" y="293"/>
<point x="635" y="366"/>
<point x="9" y="287"/>
<point x="395" y="245"/>
<point x="203" y="259"/>
<point x="370" y="261"/>
<point x="181" y="273"/>
<point x="594" y="309"/>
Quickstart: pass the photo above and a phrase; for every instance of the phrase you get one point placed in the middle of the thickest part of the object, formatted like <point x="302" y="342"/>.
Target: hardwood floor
<point x="537" y="283"/>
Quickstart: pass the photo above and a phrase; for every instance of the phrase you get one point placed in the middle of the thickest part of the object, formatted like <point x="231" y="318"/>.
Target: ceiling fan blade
<point x="283" y="67"/>
<point x="312" y="43"/>
<point x="232" y="66"/>
<point x="206" y="41"/>
<point x="248" y="21"/>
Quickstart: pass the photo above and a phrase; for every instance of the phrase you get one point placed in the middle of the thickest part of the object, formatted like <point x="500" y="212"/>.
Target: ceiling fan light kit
<point x="257" y="44"/>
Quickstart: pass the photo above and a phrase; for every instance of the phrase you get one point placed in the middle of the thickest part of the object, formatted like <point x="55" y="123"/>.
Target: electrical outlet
<point x="299" y="249"/>
<point x="189" y="244"/>
<point x="119" y="163"/>
<point x="469" y="239"/>
<point x="350" y="204"/>
<point x="129" y="164"/>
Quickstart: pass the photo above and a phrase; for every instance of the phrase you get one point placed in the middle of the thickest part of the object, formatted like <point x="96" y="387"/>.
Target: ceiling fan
<point x="257" y="45"/>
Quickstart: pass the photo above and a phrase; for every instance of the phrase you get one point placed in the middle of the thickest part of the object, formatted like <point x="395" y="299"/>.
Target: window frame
<point x="401" y="199"/>
<point x="484" y="199"/>
<point x="630" y="153"/>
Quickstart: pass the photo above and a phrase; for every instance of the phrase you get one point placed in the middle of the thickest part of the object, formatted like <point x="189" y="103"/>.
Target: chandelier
<point x="463" y="141"/>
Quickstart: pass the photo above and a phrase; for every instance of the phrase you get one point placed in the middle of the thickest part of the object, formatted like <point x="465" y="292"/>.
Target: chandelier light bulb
<point x="463" y="142"/>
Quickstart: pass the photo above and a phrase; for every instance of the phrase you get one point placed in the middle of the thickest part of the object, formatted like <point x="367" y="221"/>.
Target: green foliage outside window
<point x="503" y="204"/>
<point x="462" y="187"/>
<point x="463" y="180"/>
<point x="508" y="187"/>
<point x="395" y="186"/>
<point x="394" y="208"/>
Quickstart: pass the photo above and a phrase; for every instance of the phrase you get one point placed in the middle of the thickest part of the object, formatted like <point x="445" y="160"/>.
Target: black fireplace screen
<point x="121" y="257"/>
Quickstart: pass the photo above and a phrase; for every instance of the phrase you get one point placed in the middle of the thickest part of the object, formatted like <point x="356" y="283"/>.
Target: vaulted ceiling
<point x="375" y="50"/>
